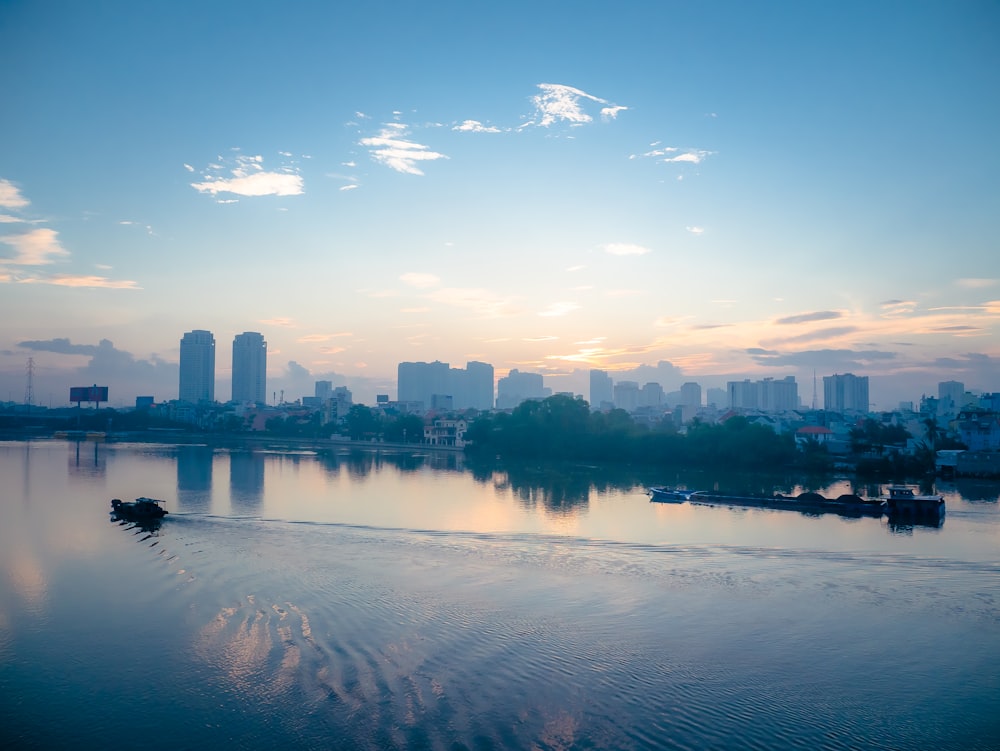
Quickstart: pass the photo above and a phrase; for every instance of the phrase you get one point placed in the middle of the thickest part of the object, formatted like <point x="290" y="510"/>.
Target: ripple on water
<point x="401" y="638"/>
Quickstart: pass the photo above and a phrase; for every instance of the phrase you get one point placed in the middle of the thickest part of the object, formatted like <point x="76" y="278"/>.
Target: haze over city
<point x="669" y="192"/>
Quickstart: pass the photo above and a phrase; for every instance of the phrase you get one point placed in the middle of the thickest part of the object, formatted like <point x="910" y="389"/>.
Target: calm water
<point x="369" y="601"/>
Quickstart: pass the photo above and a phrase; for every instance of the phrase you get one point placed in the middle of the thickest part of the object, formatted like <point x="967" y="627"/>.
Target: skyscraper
<point x="197" y="371"/>
<point x="601" y="389"/>
<point x="430" y="382"/>
<point x="845" y="393"/>
<point x="249" y="368"/>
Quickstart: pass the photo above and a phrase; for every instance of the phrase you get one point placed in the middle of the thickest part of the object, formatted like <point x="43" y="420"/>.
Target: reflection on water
<point x="86" y="459"/>
<point x="390" y="600"/>
<point x="246" y="480"/>
<point x="194" y="477"/>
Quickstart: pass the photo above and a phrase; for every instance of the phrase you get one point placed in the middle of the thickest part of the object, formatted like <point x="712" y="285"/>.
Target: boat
<point x="806" y="503"/>
<point x="669" y="495"/>
<point x="140" y="508"/>
<point x="903" y="502"/>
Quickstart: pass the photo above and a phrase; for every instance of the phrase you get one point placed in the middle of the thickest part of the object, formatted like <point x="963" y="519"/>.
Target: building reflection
<point x="246" y="480"/>
<point x="558" y="489"/>
<point x="86" y="460"/>
<point x="194" y="477"/>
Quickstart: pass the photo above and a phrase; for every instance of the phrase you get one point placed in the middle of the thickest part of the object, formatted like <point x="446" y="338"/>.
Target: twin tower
<point x="197" y="376"/>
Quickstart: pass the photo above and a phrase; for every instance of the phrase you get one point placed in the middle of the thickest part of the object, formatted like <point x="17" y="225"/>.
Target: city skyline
<point x="707" y="193"/>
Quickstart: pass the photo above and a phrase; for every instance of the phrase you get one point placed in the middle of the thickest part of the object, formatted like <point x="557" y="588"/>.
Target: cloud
<point x="897" y="307"/>
<point x="64" y="346"/>
<point x="669" y="155"/>
<point x="418" y="279"/>
<point x="834" y="360"/>
<point x="348" y="187"/>
<point x="38" y="247"/>
<point x="761" y="351"/>
<point x="281" y="321"/>
<point x="481" y="301"/>
<point x="974" y="283"/>
<point x="557" y="102"/>
<point x="94" y="282"/>
<point x="625" y="249"/>
<point x="249" y="178"/>
<point x="820" y="315"/>
<point x="314" y="338"/>
<point x="817" y="335"/>
<point x="10" y="196"/>
<point x="559" y="309"/>
<point x="474" y="126"/>
<point x="257" y="184"/>
<point x="390" y="148"/>
<point x="695" y="230"/>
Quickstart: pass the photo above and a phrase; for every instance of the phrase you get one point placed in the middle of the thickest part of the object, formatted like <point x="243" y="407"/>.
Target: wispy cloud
<point x="977" y="283"/>
<point x="559" y="103"/>
<point x="481" y="301"/>
<point x="673" y="154"/>
<point x="94" y="282"/>
<point x="819" y="315"/>
<point x="559" y="309"/>
<point x="625" y="249"/>
<point x="418" y="279"/>
<point x="247" y="177"/>
<point x="695" y="230"/>
<point x="39" y="247"/>
<point x="897" y="307"/>
<point x="10" y="196"/>
<point x="391" y="148"/>
<point x="833" y="332"/>
<point x="474" y="126"/>
<point x="280" y="321"/>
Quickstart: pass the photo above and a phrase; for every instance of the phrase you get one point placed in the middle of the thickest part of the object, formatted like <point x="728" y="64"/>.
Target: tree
<point x="362" y="423"/>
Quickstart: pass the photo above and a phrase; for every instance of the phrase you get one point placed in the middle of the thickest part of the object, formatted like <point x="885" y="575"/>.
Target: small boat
<point x="902" y="501"/>
<point x="140" y="508"/>
<point x="670" y="495"/>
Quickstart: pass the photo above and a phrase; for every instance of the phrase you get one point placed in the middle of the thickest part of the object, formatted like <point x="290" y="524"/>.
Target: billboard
<point x="93" y="393"/>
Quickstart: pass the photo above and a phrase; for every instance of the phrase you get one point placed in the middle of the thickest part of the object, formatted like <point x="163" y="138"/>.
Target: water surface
<point x="382" y="600"/>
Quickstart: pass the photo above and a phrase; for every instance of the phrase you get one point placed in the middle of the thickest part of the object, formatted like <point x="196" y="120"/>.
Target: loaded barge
<point x="900" y="503"/>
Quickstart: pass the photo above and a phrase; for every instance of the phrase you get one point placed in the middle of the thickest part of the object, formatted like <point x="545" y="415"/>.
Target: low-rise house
<point x="442" y="431"/>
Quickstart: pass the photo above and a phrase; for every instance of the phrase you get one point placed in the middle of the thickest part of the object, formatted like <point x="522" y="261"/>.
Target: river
<point x="373" y="599"/>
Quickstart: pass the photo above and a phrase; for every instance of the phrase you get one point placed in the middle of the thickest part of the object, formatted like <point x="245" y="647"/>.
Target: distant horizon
<point x="296" y="382"/>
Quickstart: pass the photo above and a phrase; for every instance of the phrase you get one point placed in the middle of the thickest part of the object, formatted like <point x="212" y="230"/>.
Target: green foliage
<point x="561" y="427"/>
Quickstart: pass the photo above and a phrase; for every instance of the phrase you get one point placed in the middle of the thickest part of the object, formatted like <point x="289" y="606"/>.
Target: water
<point x="374" y="600"/>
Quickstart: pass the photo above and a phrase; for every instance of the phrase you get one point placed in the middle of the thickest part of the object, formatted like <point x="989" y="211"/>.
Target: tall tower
<point x="845" y="393"/>
<point x="249" y="368"/>
<point x="197" y="381"/>
<point x="601" y="389"/>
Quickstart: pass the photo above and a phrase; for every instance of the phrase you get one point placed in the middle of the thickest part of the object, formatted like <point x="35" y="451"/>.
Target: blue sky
<point x="700" y="191"/>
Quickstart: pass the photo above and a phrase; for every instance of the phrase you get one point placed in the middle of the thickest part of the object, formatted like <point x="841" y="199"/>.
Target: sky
<point x="672" y="191"/>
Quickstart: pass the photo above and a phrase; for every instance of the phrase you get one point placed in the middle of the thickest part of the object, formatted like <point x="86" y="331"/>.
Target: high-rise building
<point x="778" y="396"/>
<point x="249" y="368"/>
<point x="324" y="390"/>
<point x="767" y="395"/>
<point x="845" y="393"/>
<point x="951" y="397"/>
<point x="627" y="395"/>
<point x="197" y="369"/>
<point x="517" y="387"/>
<point x="691" y="394"/>
<point x="601" y="389"/>
<point x="651" y="395"/>
<point x="742" y="394"/>
<point x="431" y="382"/>
<point x="478" y="379"/>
